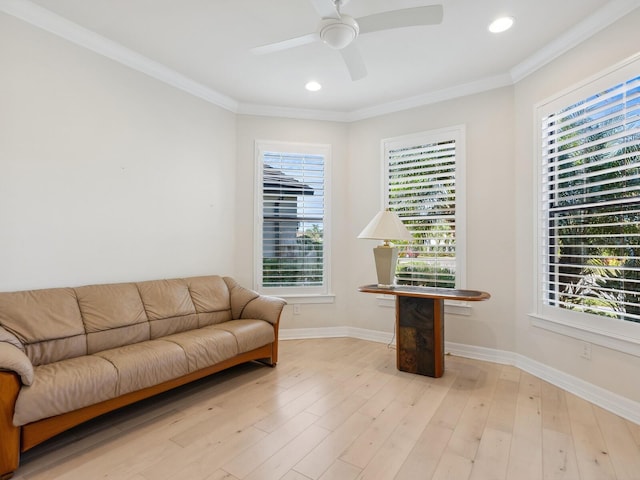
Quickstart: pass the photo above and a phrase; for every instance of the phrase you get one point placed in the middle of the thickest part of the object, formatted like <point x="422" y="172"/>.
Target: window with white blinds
<point x="589" y="211"/>
<point x="292" y="214"/>
<point x="424" y="183"/>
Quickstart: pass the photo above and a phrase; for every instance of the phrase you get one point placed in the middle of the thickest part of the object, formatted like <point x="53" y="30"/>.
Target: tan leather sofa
<point x="70" y="354"/>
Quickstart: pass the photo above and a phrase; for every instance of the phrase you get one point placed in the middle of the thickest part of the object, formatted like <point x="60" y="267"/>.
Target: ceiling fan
<point x="339" y="30"/>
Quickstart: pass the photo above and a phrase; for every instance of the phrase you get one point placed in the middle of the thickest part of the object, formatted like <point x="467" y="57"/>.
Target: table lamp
<point x="387" y="226"/>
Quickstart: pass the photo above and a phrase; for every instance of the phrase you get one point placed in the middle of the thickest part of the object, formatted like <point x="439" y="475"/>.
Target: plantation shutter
<point x="293" y="212"/>
<point x="590" y="204"/>
<point x="421" y="183"/>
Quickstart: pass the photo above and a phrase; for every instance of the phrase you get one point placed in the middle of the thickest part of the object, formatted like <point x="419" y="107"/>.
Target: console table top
<point x="427" y="292"/>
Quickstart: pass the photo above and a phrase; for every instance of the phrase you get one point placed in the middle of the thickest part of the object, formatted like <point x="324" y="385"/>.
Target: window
<point x="589" y="204"/>
<point x="424" y="184"/>
<point x="292" y="218"/>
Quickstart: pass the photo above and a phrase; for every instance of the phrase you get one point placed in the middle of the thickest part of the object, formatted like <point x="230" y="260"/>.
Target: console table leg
<point x="420" y="335"/>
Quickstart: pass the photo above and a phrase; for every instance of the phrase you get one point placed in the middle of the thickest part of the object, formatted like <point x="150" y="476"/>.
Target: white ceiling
<point x="209" y="42"/>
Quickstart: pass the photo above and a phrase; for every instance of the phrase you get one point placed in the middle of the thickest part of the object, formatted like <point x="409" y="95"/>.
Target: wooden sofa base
<point x="32" y="434"/>
<point x="10" y="437"/>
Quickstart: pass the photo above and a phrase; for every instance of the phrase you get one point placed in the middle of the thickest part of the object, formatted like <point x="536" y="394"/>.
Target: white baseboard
<point x="617" y="404"/>
<point x="335" y="332"/>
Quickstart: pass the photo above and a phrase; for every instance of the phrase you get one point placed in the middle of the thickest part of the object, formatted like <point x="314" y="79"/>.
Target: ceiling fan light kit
<point x="338" y="33"/>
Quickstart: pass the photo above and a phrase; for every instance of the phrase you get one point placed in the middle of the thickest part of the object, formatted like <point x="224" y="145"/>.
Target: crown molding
<point x="288" y="112"/>
<point x="455" y="91"/>
<point x="57" y="25"/>
<point x="60" y="26"/>
<point x="604" y="17"/>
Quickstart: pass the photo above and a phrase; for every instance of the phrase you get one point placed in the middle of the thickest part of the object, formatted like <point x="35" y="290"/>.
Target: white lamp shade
<point x="386" y="225"/>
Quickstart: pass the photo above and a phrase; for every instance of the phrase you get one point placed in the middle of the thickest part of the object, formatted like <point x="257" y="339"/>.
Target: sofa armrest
<point x="13" y="359"/>
<point x="246" y="303"/>
<point x="264" y="308"/>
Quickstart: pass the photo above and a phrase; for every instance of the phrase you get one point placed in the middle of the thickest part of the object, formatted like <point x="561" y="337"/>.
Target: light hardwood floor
<point x="339" y="409"/>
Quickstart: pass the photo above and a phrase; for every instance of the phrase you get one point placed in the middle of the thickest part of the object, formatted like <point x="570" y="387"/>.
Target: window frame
<point x="458" y="134"/>
<point x="612" y="333"/>
<point x="298" y="294"/>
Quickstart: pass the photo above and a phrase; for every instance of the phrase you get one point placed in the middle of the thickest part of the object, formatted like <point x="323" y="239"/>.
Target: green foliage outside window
<point x="594" y="205"/>
<point x="301" y="265"/>
<point x="422" y="274"/>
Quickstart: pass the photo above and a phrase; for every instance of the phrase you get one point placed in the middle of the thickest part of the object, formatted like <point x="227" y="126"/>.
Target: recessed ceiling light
<point x="313" y="86"/>
<point x="501" y="24"/>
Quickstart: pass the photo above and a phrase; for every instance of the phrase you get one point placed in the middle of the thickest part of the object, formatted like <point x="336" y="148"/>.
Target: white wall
<point x="356" y="197"/>
<point x="252" y="128"/>
<point x="488" y="118"/>
<point x="500" y="167"/>
<point x="106" y="174"/>
<point x="614" y="371"/>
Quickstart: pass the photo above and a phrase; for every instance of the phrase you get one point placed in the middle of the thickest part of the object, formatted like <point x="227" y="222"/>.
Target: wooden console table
<point x="420" y="324"/>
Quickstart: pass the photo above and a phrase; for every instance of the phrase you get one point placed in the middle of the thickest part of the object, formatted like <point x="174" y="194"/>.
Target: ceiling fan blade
<point x="286" y="44"/>
<point x="325" y="8"/>
<point x="354" y="61"/>
<point x="406" y="17"/>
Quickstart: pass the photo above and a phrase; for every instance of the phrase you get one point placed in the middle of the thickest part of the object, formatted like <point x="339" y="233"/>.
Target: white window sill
<point x="450" y="306"/>
<point x="309" y="299"/>
<point x="612" y="340"/>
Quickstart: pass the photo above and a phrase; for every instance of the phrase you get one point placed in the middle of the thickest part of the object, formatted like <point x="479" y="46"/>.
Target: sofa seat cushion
<point x="145" y="364"/>
<point x="249" y="334"/>
<point x="205" y="346"/>
<point x="64" y="386"/>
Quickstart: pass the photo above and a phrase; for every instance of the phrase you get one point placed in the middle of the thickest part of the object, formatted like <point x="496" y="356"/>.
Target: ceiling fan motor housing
<point x="338" y="32"/>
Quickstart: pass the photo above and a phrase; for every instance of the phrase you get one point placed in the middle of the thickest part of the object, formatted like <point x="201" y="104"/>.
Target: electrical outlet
<point x="296" y="309"/>
<point x="586" y="351"/>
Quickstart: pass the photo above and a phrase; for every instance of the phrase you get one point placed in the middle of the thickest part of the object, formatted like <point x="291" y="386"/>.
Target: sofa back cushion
<point x="113" y="315"/>
<point x="47" y="322"/>
<point x="168" y="305"/>
<point x="211" y="299"/>
<point x="60" y="323"/>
